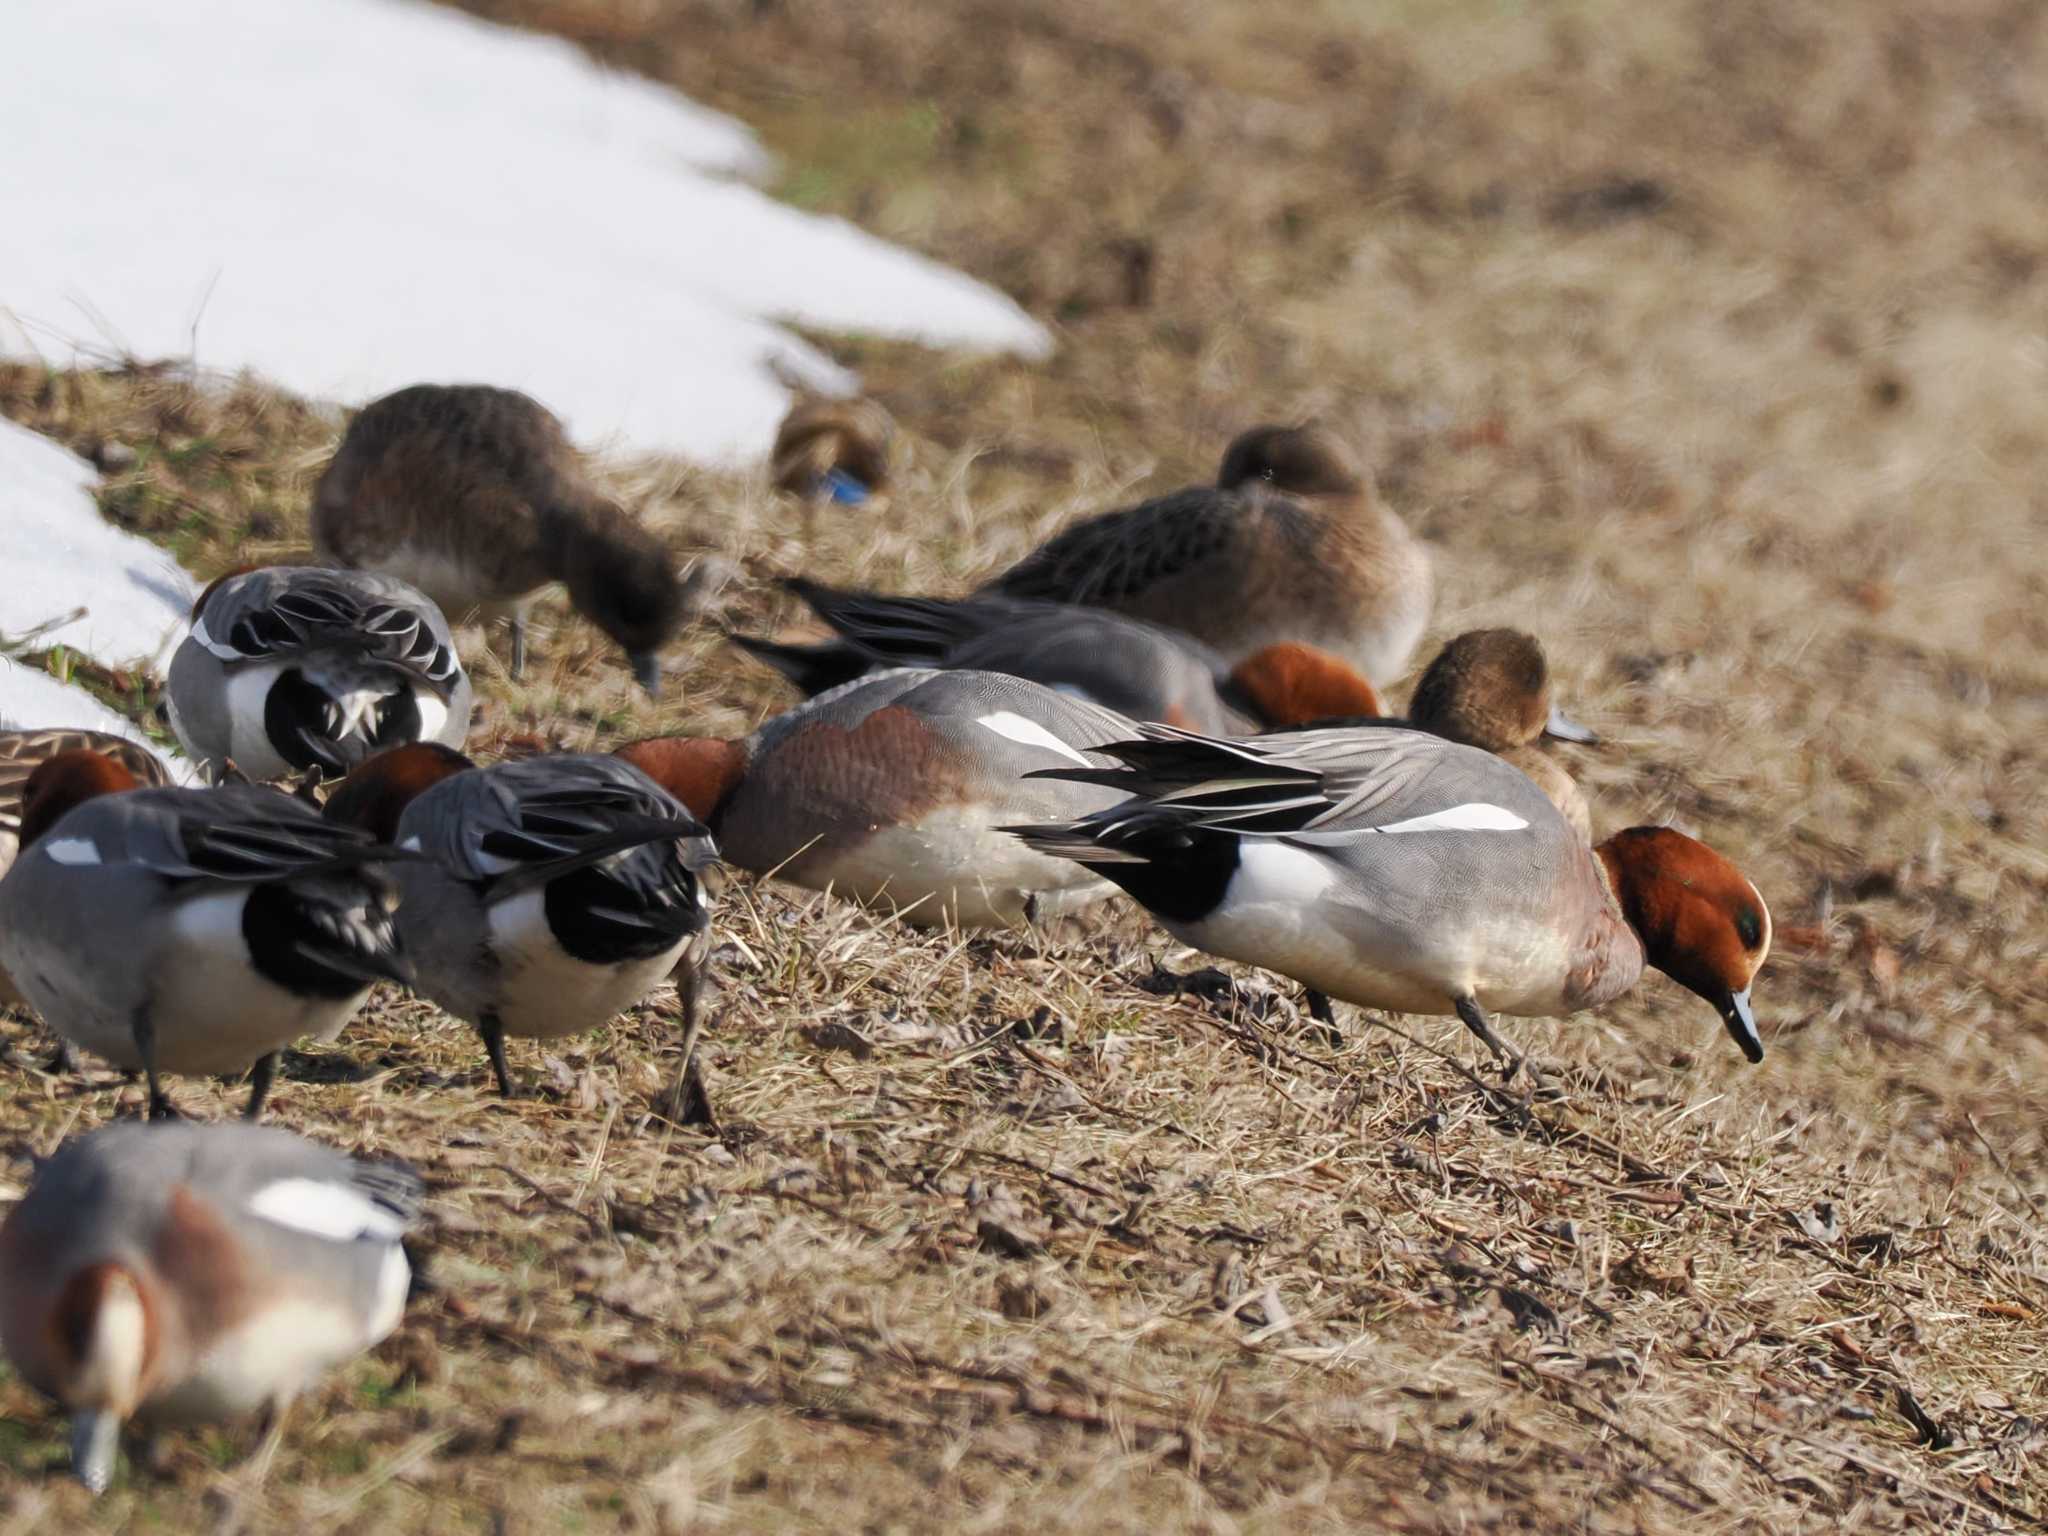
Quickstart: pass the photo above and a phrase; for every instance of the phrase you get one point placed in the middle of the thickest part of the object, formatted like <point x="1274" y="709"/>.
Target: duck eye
<point x="1748" y="929"/>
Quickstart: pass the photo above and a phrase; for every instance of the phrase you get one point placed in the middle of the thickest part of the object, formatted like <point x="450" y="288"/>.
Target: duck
<point x="22" y="752"/>
<point x="544" y="896"/>
<point x="190" y="930"/>
<point x="1288" y="544"/>
<point x="177" y="1272"/>
<point x="833" y="450"/>
<point x="475" y="495"/>
<point x="298" y="669"/>
<point x="888" y="791"/>
<point x="1141" y="671"/>
<point x="1396" y="870"/>
<point x="1490" y="688"/>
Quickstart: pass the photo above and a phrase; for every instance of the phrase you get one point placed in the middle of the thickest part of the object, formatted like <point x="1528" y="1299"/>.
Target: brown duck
<point x="1289" y="544"/>
<point x="476" y="496"/>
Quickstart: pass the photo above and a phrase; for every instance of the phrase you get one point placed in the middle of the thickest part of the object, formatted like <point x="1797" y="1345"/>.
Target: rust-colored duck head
<point x="1701" y="921"/>
<point x="65" y="781"/>
<point x="700" y="771"/>
<point x="1302" y="461"/>
<point x="375" y="796"/>
<point x="1293" y="684"/>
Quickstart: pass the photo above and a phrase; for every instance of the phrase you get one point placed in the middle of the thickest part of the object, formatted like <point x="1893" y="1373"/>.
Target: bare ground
<point x="1707" y="342"/>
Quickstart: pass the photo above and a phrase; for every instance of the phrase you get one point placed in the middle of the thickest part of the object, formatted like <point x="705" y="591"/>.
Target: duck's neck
<point x="1608" y="957"/>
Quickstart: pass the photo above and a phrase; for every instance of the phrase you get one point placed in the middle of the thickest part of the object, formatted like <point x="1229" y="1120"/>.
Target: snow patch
<point x="60" y="555"/>
<point x="349" y="196"/>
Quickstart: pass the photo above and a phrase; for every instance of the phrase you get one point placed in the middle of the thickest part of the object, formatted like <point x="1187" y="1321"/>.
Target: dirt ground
<point x="1709" y="342"/>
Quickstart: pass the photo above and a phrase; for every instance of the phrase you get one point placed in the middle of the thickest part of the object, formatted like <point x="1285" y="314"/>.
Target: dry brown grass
<point x="1703" y="340"/>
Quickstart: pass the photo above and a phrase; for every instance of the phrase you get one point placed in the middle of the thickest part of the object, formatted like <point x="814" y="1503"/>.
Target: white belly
<point x="953" y="867"/>
<point x="213" y="1011"/>
<point x="1388" y="949"/>
<point x="545" y="991"/>
<point x="270" y="1358"/>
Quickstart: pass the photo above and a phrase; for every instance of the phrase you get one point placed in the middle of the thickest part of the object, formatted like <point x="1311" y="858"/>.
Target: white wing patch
<point x="1014" y="727"/>
<point x="410" y="844"/>
<point x="73" y="852"/>
<point x="1472" y="816"/>
<point x="338" y="1211"/>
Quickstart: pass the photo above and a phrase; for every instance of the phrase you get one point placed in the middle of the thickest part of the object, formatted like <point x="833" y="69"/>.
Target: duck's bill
<point x="647" y="672"/>
<point x="1735" y="1013"/>
<point x="95" y="1438"/>
<point x="1562" y="727"/>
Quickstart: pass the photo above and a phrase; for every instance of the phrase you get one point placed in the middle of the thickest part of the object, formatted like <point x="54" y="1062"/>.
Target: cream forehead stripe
<point x="1030" y="733"/>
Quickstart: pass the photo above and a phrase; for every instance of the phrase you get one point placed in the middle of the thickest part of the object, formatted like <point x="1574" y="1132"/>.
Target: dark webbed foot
<point x="494" y="1042"/>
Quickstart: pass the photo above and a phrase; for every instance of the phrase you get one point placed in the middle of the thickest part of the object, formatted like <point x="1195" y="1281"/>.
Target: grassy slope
<point x="1705" y="341"/>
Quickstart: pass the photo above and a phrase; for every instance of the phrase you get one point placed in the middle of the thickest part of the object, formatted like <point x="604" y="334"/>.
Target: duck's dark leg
<point x="518" y="645"/>
<point x="494" y="1042"/>
<point x="1511" y="1061"/>
<point x="261" y="1076"/>
<point x="65" y="1061"/>
<point x="1324" y="1015"/>
<point x="689" y="1102"/>
<point x="143" y="1027"/>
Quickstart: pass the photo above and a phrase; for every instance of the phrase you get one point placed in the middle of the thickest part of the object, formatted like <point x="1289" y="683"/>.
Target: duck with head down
<point x="545" y="896"/>
<point x="1397" y="870"/>
<point x="476" y="496"/>
<point x="1288" y="545"/>
<point x="190" y="930"/>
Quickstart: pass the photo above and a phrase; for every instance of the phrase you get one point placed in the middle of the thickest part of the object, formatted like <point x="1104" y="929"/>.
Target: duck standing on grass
<point x="1395" y="870"/>
<point x="182" y="1273"/>
<point x="294" y="669"/>
<point x="1288" y="544"/>
<point x="549" y="894"/>
<point x="891" y="791"/>
<point x="190" y="930"/>
<point x="476" y="496"/>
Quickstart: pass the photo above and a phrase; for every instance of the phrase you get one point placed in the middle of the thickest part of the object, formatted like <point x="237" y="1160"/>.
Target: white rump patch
<point x="338" y="1211"/>
<point x="1279" y="873"/>
<point x="1014" y="727"/>
<point x="1472" y="816"/>
<point x="73" y="852"/>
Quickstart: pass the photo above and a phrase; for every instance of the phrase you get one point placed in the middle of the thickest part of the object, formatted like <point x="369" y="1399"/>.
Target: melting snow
<point x="349" y="196"/>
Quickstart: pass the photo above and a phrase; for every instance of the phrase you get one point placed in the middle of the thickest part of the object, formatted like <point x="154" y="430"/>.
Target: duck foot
<point x="494" y="1042"/>
<point x="1324" y="1017"/>
<point x="261" y="1076"/>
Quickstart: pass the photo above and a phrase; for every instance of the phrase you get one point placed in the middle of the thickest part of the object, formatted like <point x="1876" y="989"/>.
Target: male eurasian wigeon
<point x="22" y="752"/>
<point x="185" y="1273"/>
<point x="476" y="496"/>
<point x="1397" y="870"/>
<point x="1289" y="544"/>
<point x="290" y="669"/>
<point x="551" y="894"/>
<point x="889" y="791"/>
<point x="1490" y="688"/>
<point x="1140" y="670"/>
<point x="833" y="450"/>
<point x="190" y="930"/>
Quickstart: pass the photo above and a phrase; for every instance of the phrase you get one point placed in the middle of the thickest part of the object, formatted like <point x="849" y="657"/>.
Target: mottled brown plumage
<point x="1289" y="544"/>
<point x="819" y="436"/>
<point x="476" y="496"/>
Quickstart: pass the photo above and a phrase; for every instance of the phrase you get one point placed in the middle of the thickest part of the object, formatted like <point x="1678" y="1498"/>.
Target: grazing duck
<point x="294" y="669"/>
<point x="22" y="752"/>
<point x="476" y="496"/>
<point x="1490" y="688"/>
<point x="890" y="791"/>
<point x="184" y="1273"/>
<point x="1140" y="670"/>
<point x="550" y="894"/>
<point x="190" y="930"/>
<point x="833" y="450"/>
<point x="1289" y="544"/>
<point x="1396" y="870"/>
